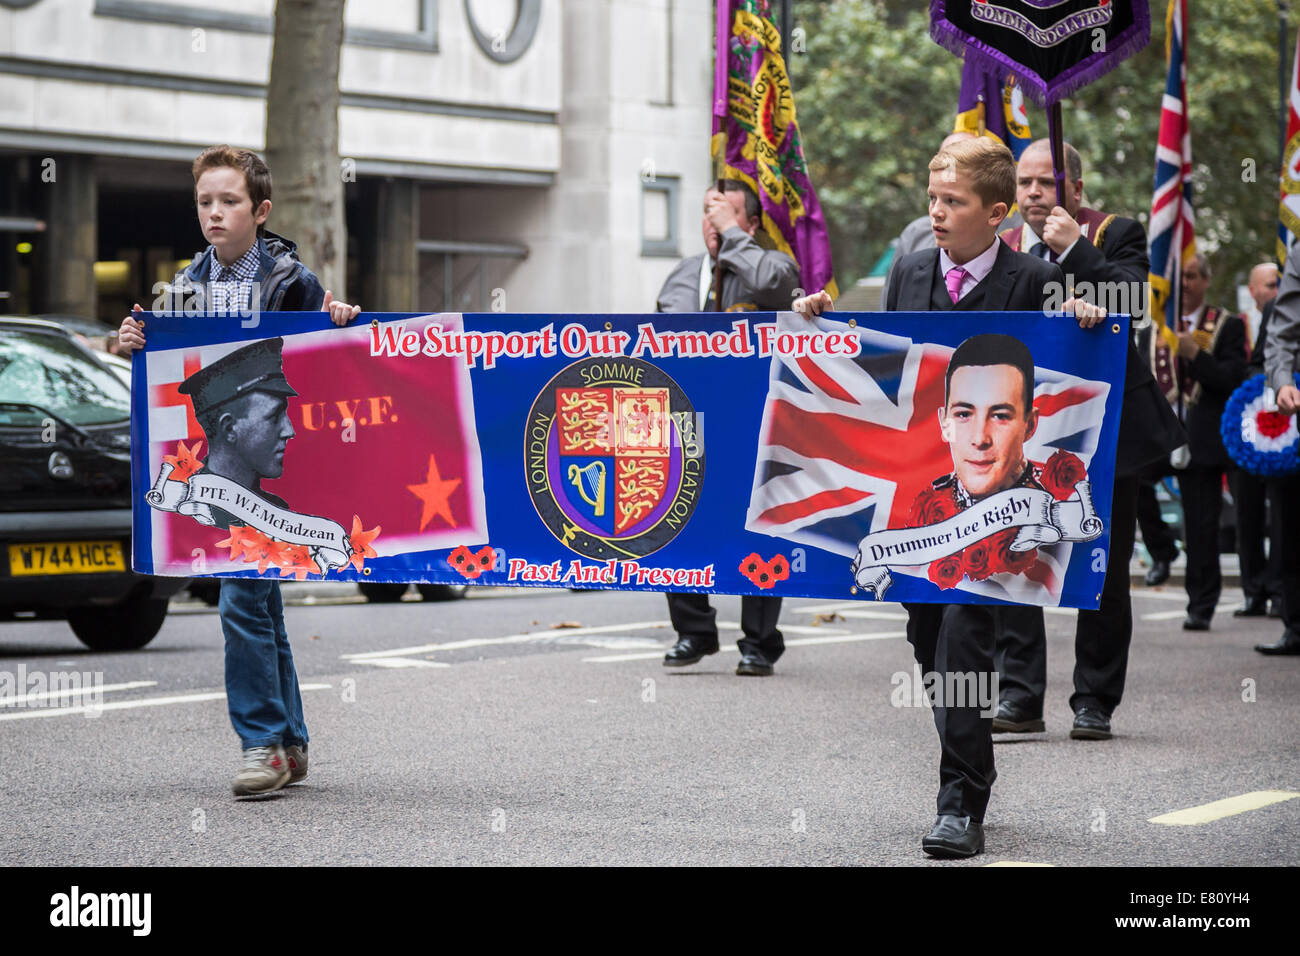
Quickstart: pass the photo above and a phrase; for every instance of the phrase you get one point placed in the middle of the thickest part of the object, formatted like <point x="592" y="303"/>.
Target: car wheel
<point x="442" y="592"/>
<point x="125" y="626"/>
<point x="382" y="593"/>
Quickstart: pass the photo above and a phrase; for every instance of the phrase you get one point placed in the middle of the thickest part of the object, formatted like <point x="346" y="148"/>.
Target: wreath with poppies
<point x="1261" y="440"/>
<point x="991" y="555"/>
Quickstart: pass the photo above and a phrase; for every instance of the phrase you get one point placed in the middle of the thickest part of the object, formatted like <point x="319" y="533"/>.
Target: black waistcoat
<point x="941" y="301"/>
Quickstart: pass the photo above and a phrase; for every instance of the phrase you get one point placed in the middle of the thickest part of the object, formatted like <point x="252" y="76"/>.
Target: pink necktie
<point x="954" y="278"/>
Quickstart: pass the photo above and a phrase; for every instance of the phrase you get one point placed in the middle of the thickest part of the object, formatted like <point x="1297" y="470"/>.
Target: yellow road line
<point x="1015" y="863"/>
<point x="1230" y="806"/>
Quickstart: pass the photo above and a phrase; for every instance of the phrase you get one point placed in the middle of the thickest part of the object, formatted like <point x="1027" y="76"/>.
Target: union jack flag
<point x="1173" y="232"/>
<point x="1288" y="219"/>
<point x="847" y="444"/>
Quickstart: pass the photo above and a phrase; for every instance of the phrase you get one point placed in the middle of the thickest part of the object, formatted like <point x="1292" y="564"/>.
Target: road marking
<point x="508" y="639"/>
<point x="131" y="704"/>
<point x="558" y="635"/>
<point x="1016" y="863"/>
<point x="1179" y="595"/>
<point x="1172" y="615"/>
<point x="797" y="642"/>
<point x="395" y="662"/>
<point x="828" y="608"/>
<point x="1231" y="806"/>
<point x="787" y="628"/>
<point x="77" y="692"/>
<point x="1062" y="611"/>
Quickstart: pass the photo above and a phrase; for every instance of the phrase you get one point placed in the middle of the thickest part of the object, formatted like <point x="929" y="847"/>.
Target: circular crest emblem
<point x="613" y="458"/>
<point x="1291" y="174"/>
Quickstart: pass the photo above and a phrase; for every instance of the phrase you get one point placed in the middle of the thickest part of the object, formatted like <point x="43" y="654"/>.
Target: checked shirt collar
<point x="231" y="287"/>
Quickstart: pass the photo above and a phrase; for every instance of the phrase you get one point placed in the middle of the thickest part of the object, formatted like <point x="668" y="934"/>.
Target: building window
<point x="659" y="216"/>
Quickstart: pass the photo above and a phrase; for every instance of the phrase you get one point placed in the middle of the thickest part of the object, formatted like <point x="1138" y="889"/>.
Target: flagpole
<point x="1176" y="297"/>
<point x="1283" y="89"/>
<point x="1057" y="136"/>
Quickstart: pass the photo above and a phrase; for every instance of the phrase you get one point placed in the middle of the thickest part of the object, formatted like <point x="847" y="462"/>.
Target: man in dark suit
<point x="753" y="279"/>
<point x="1210" y="363"/>
<point x="972" y="185"/>
<point x="1109" y="253"/>
<point x="1281" y="362"/>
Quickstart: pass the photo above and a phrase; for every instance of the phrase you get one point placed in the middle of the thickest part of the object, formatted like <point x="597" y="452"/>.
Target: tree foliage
<point x="876" y="96"/>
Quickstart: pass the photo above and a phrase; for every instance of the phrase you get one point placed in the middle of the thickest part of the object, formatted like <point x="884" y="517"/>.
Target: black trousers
<point x="1255" y="525"/>
<point x="692" y="616"/>
<point x="1021" y="657"/>
<point x="1202" y="491"/>
<point x="1286" y="500"/>
<point x="1101" y="637"/>
<point x="1160" y="541"/>
<point x="958" y="639"/>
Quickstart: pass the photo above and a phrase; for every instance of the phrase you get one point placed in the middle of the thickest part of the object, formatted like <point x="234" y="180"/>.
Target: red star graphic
<point x="434" y="494"/>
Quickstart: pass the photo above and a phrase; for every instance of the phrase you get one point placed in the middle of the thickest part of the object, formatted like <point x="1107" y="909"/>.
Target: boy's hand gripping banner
<point x="924" y="457"/>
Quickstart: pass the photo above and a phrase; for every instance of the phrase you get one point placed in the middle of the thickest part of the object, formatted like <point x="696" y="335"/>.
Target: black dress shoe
<point x="1194" y="623"/>
<point x="1288" y="644"/>
<point x="1158" y="574"/>
<point x="1090" y="724"/>
<point x="1010" y="719"/>
<point x="688" y="650"/>
<point x="753" y="665"/>
<point x="1254" y="607"/>
<point x="953" y="837"/>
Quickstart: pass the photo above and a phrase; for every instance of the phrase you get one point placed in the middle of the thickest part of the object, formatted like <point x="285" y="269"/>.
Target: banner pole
<point x="1057" y="137"/>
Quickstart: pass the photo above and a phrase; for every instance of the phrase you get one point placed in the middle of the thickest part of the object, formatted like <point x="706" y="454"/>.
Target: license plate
<point x="65" y="557"/>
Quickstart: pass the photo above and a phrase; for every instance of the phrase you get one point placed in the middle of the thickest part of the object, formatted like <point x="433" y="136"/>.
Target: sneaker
<point x="265" y="770"/>
<point x="297" y="762"/>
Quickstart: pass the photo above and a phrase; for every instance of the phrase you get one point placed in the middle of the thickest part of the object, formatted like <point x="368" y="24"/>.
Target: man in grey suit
<point x="754" y="279"/>
<point x="1281" y="362"/>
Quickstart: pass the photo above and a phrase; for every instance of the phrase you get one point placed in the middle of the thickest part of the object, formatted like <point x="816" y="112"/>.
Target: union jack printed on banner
<point x="1172" y="229"/>
<point x="848" y="443"/>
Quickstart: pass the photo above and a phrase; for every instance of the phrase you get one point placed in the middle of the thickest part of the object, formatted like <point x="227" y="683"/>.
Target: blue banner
<point x="895" y="456"/>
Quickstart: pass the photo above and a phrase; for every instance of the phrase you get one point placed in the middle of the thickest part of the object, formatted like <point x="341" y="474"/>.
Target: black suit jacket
<point x="1148" y="428"/>
<point x="1256" y="364"/>
<point x="1219" y="372"/>
<point x="1017" y="282"/>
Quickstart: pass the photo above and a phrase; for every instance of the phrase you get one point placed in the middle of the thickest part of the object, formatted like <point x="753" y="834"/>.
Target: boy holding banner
<point x="972" y="186"/>
<point x="245" y="270"/>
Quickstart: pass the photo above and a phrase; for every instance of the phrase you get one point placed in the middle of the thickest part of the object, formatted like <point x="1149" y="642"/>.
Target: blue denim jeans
<point x="261" y="684"/>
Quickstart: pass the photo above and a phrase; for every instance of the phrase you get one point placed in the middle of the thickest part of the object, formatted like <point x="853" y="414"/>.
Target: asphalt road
<point x="539" y="727"/>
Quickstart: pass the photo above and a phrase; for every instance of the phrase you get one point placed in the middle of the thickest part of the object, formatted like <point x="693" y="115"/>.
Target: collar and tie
<point x="953" y="278"/>
<point x="1041" y="251"/>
